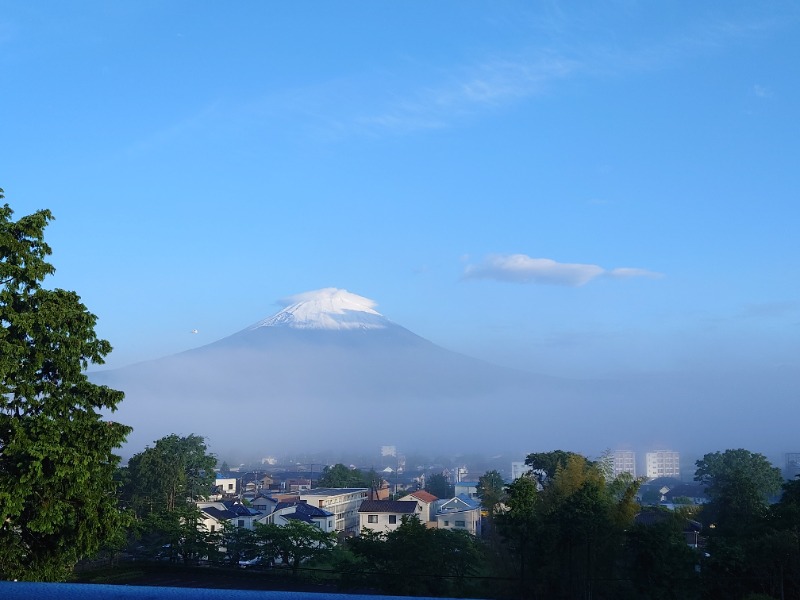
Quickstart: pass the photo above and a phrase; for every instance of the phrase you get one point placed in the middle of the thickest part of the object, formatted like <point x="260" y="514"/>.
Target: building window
<point x="459" y="523"/>
<point x="447" y="523"/>
<point x="241" y="522"/>
<point x="213" y="528"/>
<point x="230" y="486"/>
<point x="392" y="519"/>
<point x="372" y="518"/>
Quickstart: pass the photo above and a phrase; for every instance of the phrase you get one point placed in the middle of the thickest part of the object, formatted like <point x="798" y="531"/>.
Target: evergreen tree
<point x="57" y="461"/>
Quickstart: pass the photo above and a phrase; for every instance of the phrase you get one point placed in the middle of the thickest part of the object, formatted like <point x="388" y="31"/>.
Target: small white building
<point x="425" y="504"/>
<point x="385" y="515"/>
<point x="227" y="484"/>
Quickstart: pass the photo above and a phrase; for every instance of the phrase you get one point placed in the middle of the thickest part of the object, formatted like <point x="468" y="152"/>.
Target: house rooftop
<point x="388" y="506"/>
<point x="219" y="515"/>
<point x="424" y="496"/>
<point x="332" y="491"/>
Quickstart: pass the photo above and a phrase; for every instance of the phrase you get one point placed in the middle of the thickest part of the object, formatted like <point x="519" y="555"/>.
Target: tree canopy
<point x="491" y="491"/>
<point x="57" y="461"/>
<point x="341" y="476"/>
<point x="164" y="477"/>
<point x="438" y="485"/>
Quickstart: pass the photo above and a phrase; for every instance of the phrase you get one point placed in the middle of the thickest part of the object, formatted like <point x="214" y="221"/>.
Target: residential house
<point x="342" y="502"/>
<point x="385" y="515"/>
<point x="226" y="484"/>
<point x="300" y="511"/>
<point x="214" y="514"/>
<point x="264" y="504"/>
<point x="425" y="505"/>
<point x="460" y="513"/>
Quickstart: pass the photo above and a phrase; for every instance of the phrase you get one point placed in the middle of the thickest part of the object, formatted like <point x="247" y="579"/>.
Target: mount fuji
<point x="329" y="371"/>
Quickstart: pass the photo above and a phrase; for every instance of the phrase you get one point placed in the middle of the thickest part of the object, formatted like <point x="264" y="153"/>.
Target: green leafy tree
<point x="414" y="560"/>
<point x="176" y="470"/>
<point x="178" y="536"/>
<point x="660" y="564"/>
<point x="438" y="485"/>
<point x="739" y="484"/>
<point x="564" y="527"/>
<point x="491" y="491"/>
<point x="544" y="464"/>
<point x="57" y="461"/>
<point x="294" y="543"/>
<point x="518" y="527"/>
<point x="239" y="543"/>
<point x="341" y="476"/>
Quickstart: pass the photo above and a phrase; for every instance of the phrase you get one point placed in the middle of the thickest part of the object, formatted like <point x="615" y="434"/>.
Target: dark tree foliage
<point x="740" y="557"/>
<point x="739" y="483"/>
<point x="438" y="485"/>
<point x="341" y="476"/>
<point x="57" y="461"/>
<point x="564" y="531"/>
<point x="491" y="491"/>
<point x="658" y="562"/>
<point x="294" y="543"/>
<point x="414" y="560"/>
<point x="544" y="464"/>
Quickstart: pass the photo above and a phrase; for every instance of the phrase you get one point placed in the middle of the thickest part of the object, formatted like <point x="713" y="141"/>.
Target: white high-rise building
<point x="624" y="462"/>
<point x="663" y="463"/>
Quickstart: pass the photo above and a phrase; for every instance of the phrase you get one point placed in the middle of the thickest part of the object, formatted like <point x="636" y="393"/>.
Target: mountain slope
<point x="331" y="361"/>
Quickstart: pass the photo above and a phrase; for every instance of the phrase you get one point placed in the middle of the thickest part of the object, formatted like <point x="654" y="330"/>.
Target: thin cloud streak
<point x="485" y="86"/>
<point x="520" y="268"/>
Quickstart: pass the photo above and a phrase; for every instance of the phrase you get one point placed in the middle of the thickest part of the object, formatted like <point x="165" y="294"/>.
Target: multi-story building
<point x="663" y="463"/>
<point x="624" y="462"/>
<point x="342" y="502"/>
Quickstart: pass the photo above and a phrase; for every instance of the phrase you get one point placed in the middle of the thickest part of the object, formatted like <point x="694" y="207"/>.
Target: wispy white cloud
<point x="761" y="92"/>
<point x="520" y="268"/>
<point x="470" y="90"/>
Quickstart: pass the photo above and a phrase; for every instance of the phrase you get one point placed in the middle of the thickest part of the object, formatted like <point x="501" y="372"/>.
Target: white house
<point x="342" y="502"/>
<point x="425" y="503"/>
<point x="460" y="513"/>
<point x="226" y="483"/>
<point x="213" y="514"/>
<point x="385" y="515"/>
<point x="300" y="511"/>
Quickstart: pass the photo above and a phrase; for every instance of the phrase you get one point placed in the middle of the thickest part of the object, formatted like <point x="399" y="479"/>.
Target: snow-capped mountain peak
<point x="328" y="308"/>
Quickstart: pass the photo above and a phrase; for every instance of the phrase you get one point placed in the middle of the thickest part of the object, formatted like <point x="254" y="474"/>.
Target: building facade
<point x="624" y="462"/>
<point x="342" y="502"/>
<point x="663" y="463"/>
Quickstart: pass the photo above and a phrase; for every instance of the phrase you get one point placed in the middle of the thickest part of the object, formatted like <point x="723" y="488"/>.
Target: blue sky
<point x="569" y="188"/>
